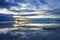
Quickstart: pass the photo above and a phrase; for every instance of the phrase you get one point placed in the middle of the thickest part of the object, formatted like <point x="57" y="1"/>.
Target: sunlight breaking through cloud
<point x="20" y="8"/>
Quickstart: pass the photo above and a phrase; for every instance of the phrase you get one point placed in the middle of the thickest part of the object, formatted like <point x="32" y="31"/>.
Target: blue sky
<point x="47" y="23"/>
<point x="51" y="4"/>
<point x="15" y="6"/>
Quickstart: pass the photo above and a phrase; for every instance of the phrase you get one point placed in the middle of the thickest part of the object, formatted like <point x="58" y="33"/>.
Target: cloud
<point x="24" y="5"/>
<point x="29" y="5"/>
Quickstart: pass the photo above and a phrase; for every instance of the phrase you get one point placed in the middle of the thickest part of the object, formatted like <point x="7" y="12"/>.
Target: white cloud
<point x="45" y="7"/>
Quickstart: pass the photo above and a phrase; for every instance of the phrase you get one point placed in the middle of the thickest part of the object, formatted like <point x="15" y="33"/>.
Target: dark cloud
<point x="36" y="3"/>
<point x="5" y="4"/>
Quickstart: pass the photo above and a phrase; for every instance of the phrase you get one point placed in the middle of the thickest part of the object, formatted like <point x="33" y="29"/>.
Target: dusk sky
<point x="26" y="4"/>
<point x="29" y="19"/>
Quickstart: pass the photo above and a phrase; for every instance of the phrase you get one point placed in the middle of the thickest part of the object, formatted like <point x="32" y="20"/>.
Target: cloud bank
<point x="18" y="5"/>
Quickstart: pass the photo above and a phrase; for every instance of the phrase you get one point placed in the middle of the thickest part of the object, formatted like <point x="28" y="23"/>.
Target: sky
<point x="42" y="16"/>
<point x="29" y="4"/>
<point x="38" y="6"/>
